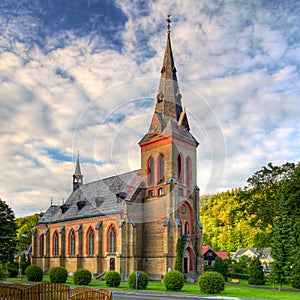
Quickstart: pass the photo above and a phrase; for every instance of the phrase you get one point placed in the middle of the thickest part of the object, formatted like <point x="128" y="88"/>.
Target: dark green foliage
<point x="82" y="277"/>
<point x="179" y="255"/>
<point x="3" y="272"/>
<point x="8" y="229"/>
<point x="58" y="275"/>
<point x="295" y="273"/>
<point x="242" y="265"/>
<point x="24" y="263"/>
<point x="238" y="275"/>
<point x="142" y="280"/>
<point x="174" y="281"/>
<point x="34" y="273"/>
<point x="220" y="267"/>
<point x="211" y="282"/>
<point x="256" y="272"/>
<point x="112" y="278"/>
<point x="12" y="269"/>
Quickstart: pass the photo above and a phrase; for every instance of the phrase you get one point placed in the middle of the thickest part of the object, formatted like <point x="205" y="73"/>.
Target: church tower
<point x="77" y="176"/>
<point x="169" y="170"/>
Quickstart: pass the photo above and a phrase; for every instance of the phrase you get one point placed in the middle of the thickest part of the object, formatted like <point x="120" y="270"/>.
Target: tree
<point x="7" y="229"/>
<point x="256" y="272"/>
<point x="179" y="255"/>
<point x="220" y="267"/>
<point x="282" y="244"/>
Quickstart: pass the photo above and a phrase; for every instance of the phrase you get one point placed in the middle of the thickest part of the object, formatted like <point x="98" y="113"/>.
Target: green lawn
<point x="242" y="290"/>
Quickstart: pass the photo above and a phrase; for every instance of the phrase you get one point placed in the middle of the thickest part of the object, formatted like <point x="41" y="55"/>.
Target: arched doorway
<point x="188" y="260"/>
<point x="112" y="264"/>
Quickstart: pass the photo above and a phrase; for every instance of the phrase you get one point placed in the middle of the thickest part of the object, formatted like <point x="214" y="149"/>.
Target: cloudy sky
<point x="83" y="75"/>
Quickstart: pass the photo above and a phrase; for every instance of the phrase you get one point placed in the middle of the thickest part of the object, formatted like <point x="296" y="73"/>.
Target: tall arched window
<point x="150" y="171"/>
<point x="91" y="242"/>
<point x="188" y="171"/>
<point x="42" y="245"/>
<point x="72" y="242"/>
<point x="112" y="240"/>
<point x="186" y="228"/>
<point x="161" y="168"/>
<point x="55" y="244"/>
<point x="179" y="168"/>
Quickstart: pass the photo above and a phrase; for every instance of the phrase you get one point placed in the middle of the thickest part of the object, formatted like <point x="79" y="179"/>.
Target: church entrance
<point x="112" y="264"/>
<point x="185" y="265"/>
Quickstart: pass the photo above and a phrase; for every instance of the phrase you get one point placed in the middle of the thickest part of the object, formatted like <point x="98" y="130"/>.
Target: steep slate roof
<point x="100" y="198"/>
<point x="263" y="253"/>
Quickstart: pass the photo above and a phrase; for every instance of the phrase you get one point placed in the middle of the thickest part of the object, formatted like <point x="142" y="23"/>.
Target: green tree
<point x="256" y="272"/>
<point x="220" y="267"/>
<point x="282" y="244"/>
<point x="7" y="229"/>
<point x="179" y="255"/>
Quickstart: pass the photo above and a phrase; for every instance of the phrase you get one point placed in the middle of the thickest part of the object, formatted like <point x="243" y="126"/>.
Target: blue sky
<point x="83" y="75"/>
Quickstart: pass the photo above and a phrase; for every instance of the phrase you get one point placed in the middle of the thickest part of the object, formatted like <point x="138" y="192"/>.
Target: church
<point x="132" y="221"/>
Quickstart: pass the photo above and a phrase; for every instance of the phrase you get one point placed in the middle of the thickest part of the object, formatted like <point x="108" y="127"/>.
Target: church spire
<point x="77" y="176"/>
<point x="168" y="97"/>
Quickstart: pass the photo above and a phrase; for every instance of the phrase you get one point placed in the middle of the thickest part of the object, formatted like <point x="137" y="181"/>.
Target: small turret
<point x="77" y="176"/>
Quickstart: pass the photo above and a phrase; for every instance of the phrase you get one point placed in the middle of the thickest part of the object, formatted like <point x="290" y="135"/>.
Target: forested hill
<point x="252" y="217"/>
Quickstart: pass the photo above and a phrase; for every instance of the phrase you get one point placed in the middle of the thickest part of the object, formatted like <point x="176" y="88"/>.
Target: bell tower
<point x="77" y="176"/>
<point x="169" y="169"/>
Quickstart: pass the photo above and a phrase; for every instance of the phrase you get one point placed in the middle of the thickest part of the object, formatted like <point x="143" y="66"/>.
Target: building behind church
<point x="132" y="221"/>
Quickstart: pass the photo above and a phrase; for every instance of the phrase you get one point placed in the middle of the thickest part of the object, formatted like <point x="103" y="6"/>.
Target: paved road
<point x="165" y="296"/>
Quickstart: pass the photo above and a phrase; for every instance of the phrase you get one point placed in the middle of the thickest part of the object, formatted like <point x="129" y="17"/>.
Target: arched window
<point x="150" y="171"/>
<point x="186" y="228"/>
<point x="179" y="168"/>
<point x="112" y="240"/>
<point x="161" y="168"/>
<point x="72" y="242"/>
<point x="55" y="244"/>
<point x="90" y="242"/>
<point x="188" y="171"/>
<point x="42" y="245"/>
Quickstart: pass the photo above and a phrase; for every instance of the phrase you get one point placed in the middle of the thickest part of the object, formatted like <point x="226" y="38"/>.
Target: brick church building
<point x="132" y="221"/>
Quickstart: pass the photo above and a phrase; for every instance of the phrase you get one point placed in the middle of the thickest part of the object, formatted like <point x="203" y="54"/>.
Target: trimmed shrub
<point x="211" y="282"/>
<point x="220" y="267"/>
<point x="58" y="275"/>
<point x="82" y="277"/>
<point x="112" y="278"/>
<point x="174" y="281"/>
<point x="12" y="269"/>
<point x="142" y="281"/>
<point x="34" y="273"/>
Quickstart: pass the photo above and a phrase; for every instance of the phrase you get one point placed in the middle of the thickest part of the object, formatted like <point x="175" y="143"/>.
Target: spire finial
<point x="169" y="22"/>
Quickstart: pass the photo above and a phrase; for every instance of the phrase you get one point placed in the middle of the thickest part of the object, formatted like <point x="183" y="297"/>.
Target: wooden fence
<point x="50" y="291"/>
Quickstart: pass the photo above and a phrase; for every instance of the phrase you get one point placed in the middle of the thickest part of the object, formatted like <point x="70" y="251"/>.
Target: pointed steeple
<point x="77" y="176"/>
<point x="168" y="97"/>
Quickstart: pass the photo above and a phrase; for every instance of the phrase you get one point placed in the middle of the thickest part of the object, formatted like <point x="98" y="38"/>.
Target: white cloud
<point x="237" y="67"/>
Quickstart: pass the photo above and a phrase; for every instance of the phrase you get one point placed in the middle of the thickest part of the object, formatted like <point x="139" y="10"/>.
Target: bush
<point x="174" y="281"/>
<point x="211" y="282"/>
<point x="142" y="281"/>
<point x="12" y="269"/>
<point x="3" y="272"/>
<point x="256" y="272"/>
<point x="112" y="278"/>
<point x="34" y="273"/>
<point x="58" y="275"/>
<point x="82" y="277"/>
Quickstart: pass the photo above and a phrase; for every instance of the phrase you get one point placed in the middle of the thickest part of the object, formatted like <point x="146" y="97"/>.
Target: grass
<point x="241" y="290"/>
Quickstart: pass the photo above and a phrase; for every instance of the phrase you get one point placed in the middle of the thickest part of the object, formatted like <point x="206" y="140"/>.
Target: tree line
<point x="265" y="213"/>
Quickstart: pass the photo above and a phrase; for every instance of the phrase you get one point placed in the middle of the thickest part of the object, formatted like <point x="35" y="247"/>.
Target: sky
<point x="82" y="75"/>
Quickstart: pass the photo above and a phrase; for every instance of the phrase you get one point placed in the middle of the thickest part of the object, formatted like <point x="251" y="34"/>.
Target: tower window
<point x="112" y="240"/>
<point x="91" y="242"/>
<point x="72" y="243"/>
<point x="150" y="171"/>
<point x="55" y="244"/>
<point x="161" y="168"/>
<point x="188" y="173"/>
<point x="180" y="192"/>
